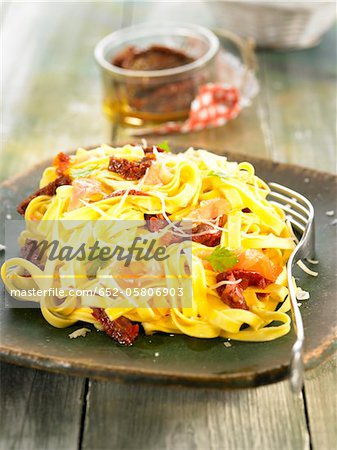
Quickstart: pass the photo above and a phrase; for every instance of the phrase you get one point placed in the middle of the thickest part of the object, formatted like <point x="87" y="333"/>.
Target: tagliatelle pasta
<point x="240" y="241"/>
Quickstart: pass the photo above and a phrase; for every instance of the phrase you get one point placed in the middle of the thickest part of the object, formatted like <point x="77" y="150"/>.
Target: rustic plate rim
<point x="126" y="374"/>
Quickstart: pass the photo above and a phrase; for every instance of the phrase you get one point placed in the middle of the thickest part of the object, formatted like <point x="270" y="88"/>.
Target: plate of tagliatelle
<point x="158" y="265"/>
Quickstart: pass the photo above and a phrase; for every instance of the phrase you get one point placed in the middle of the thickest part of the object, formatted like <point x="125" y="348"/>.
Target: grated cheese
<point x="81" y="332"/>
<point x="312" y="261"/>
<point x="330" y="213"/>
<point x="306" y="269"/>
<point x="227" y="344"/>
<point x="301" y="294"/>
<point x="2" y="247"/>
<point x="222" y="283"/>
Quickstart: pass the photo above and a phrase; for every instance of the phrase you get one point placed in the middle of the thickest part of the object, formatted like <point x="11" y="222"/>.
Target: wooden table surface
<point x="51" y="102"/>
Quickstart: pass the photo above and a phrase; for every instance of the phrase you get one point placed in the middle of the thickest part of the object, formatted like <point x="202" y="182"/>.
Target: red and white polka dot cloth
<point x="215" y="104"/>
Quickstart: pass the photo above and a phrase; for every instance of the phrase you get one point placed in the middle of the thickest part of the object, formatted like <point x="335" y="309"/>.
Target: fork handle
<point x="296" y="368"/>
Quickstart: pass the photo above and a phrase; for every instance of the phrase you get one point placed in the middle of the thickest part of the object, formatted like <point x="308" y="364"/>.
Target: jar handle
<point x="246" y="47"/>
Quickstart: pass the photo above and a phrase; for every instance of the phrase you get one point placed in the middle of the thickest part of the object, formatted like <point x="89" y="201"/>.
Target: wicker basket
<point x="279" y="25"/>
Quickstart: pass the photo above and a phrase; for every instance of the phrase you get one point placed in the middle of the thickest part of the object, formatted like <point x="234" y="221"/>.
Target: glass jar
<point x="139" y="97"/>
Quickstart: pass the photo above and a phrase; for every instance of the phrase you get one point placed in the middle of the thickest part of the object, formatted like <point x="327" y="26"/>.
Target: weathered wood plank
<point x="244" y="135"/>
<point x="39" y="410"/>
<point x="299" y="93"/>
<point x="247" y="133"/>
<point x="52" y="85"/>
<point x="299" y="97"/>
<point x="150" y="417"/>
<point x="50" y="104"/>
<point x="321" y="402"/>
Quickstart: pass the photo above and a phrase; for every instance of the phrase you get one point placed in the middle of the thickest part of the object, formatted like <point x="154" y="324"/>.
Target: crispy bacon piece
<point x="121" y="330"/>
<point x="61" y="162"/>
<point x="50" y="189"/>
<point x="130" y="170"/>
<point x="232" y="294"/>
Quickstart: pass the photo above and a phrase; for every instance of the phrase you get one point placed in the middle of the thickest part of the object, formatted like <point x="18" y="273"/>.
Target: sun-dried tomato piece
<point x="121" y="330"/>
<point x="155" y="222"/>
<point x="250" y="278"/>
<point x="232" y="294"/>
<point x="156" y="57"/>
<point x="131" y="192"/>
<point x="31" y="253"/>
<point x="149" y="149"/>
<point x="171" y="238"/>
<point x="211" y="239"/>
<point x="61" y="162"/>
<point x="50" y="189"/>
<point x="130" y="170"/>
<point x="262" y="295"/>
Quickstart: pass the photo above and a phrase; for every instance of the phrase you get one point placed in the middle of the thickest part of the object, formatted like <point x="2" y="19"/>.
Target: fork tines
<point x="300" y="213"/>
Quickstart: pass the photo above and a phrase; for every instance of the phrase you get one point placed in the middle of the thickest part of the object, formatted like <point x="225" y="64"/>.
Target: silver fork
<point x="300" y="214"/>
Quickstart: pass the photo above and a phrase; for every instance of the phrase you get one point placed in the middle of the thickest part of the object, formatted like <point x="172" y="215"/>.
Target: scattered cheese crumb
<point x="301" y="294"/>
<point x="156" y="354"/>
<point x="305" y="269"/>
<point x="2" y="247"/>
<point x="334" y="222"/>
<point x="306" y="180"/>
<point x="144" y="142"/>
<point x="299" y="304"/>
<point x="171" y="335"/>
<point x="330" y="213"/>
<point x="227" y="344"/>
<point x="78" y="333"/>
<point x="8" y="216"/>
<point x="312" y="261"/>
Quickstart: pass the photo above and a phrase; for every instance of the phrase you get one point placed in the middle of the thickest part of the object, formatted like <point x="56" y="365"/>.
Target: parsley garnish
<point x="214" y="173"/>
<point x="83" y="172"/>
<point x="222" y="259"/>
<point x="165" y="146"/>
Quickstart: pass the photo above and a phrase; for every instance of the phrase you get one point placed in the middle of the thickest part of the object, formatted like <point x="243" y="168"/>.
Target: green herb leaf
<point x="214" y="173"/>
<point x="222" y="259"/>
<point x="83" y="172"/>
<point x="165" y="146"/>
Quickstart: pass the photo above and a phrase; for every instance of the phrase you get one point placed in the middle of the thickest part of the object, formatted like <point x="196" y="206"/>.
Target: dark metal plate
<point x="26" y="339"/>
